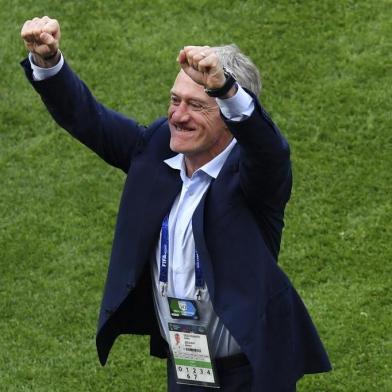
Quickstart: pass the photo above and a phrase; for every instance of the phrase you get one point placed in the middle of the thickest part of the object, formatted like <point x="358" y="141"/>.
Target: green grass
<point x="326" y="71"/>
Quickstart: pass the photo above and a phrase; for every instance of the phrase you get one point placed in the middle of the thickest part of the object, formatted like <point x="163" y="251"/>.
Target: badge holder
<point x="187" y="327"/>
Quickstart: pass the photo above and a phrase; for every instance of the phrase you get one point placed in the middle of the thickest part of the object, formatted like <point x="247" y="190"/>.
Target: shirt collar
<point x="212" y="168"/>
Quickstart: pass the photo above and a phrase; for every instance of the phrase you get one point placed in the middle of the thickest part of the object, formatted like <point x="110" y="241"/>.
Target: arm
<point x="265" y="172"/>
<point x="264" y="166"/>
<point x="265" y="169"/>
<point x="112" y="136"/>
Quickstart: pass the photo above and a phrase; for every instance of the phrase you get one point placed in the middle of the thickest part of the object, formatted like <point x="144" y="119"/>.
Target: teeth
<point x="181" y="129"/>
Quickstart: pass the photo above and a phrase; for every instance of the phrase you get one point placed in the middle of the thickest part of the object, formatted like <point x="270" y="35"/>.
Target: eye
<point x="174" y="100"/>
<point x="196" y="106"/>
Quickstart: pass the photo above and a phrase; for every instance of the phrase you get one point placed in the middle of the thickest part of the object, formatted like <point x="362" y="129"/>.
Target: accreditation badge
<point x="189" y="345"/>
<point x="191" y="355"/>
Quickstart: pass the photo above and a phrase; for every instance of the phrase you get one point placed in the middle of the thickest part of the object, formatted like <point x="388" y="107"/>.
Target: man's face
<point x="196" y="127"/>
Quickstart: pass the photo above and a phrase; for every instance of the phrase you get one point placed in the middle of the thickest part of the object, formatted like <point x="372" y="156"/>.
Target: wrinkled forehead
<point x="186" y="88"/>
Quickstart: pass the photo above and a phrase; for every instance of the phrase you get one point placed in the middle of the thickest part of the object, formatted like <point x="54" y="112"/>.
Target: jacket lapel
<point x="211" y="197"/>
<point x="200" y="243"/>
<point x="166" y="184"/>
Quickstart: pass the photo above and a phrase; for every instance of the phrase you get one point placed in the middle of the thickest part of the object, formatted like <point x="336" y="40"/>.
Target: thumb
<point x="194" y="74"/>
<point x="47" y="39"/>
<point x="52" y="27"/>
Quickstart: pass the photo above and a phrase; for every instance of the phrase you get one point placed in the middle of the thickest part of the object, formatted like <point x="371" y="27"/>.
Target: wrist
<point x="46" y="62"/>
<point x="231" y="92"/>
<point x="226" y="90"/>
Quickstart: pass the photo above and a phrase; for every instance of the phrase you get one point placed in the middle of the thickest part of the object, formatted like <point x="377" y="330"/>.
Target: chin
<point x="176" y="147"/>
<point x="177" y="144"/>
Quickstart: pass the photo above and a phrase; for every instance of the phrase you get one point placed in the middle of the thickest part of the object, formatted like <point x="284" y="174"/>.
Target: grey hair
<point x="241" y="66"/>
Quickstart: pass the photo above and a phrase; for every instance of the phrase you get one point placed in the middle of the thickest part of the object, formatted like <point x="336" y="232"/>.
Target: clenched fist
<point x="202" y="65"/>
<point x="42" y="37"/>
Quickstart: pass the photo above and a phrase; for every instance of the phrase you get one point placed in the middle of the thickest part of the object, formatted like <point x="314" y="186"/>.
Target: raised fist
<point x="42" y="37"/>
<point x="202" y="65"/>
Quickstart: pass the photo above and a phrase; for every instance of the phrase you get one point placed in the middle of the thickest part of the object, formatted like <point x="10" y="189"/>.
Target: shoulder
<point x="155" y="140"/>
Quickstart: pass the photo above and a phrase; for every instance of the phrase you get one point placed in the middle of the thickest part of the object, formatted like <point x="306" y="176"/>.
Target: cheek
<point x="212" y="124"/>
<point x="170" y="111"/>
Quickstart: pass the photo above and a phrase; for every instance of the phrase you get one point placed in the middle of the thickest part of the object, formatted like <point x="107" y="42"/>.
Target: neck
<point x="194" y="162"/>
<point x="191" y="165"/>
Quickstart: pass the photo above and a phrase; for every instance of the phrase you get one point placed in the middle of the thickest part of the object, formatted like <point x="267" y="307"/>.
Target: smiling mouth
<point x="182" y="129"/>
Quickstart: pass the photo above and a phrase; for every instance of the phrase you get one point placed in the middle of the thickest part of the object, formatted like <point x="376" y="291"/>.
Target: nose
<point x="179" y="113"/>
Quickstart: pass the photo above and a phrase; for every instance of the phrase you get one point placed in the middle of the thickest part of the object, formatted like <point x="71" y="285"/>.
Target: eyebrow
<point x="191" y="99"/>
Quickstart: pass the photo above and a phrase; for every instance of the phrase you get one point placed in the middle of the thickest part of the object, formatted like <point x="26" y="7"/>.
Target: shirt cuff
<point x="238" y="107"/>
<point x="45" y="73"/>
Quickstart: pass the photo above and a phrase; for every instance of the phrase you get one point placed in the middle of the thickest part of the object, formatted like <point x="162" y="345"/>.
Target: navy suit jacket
<point x="237" y="229"/>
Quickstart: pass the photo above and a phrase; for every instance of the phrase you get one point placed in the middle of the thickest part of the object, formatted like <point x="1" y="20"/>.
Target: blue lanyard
<point x="164" y="261"/>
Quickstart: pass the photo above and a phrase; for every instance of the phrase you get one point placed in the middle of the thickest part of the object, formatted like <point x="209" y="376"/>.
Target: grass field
<point x="326" y="68"/>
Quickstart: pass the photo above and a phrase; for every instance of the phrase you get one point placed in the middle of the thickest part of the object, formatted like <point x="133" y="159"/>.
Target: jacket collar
<point x="212" y="168"/>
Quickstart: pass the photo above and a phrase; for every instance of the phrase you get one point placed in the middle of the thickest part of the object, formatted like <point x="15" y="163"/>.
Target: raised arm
<point x="111" y="135"/>
<point x="265" y="157"/>
<point x="264" y="165"/>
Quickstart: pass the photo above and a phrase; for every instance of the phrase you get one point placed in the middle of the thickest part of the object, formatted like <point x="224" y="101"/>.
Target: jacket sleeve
<point x="265" y="171"/>
<point x="109" y="134"/>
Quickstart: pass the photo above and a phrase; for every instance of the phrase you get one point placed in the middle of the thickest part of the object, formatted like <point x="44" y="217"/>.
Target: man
<point x="199" y="226"/>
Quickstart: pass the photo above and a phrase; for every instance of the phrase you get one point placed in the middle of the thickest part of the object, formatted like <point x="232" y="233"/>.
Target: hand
<point x="41" y="37"/>
<point x="202" y="65"/>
